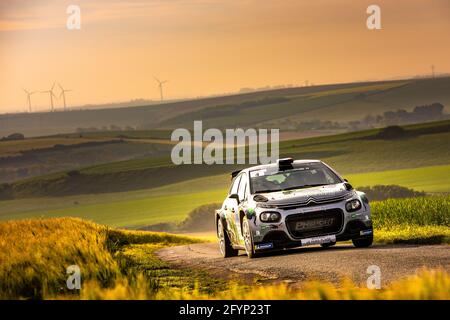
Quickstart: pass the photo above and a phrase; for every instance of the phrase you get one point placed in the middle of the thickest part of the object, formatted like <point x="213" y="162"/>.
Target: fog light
<point x="353" y="205"/>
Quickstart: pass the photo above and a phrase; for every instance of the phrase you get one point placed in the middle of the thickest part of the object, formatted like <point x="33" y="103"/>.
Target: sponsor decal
<point x="365" y="232"/>
<point x="264" y="246"/>
<point x="318" y="240"/>
<point x="314" y="224"/>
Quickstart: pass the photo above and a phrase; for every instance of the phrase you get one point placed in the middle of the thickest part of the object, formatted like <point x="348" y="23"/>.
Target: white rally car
<point x="291" y="204"/>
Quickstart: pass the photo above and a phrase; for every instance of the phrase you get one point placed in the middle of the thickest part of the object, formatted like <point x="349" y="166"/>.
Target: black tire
<point x="327" y="245"/>
<point x="224" y="242"/>
<point x="248" y="238"/>
<point x="363" y="242"/>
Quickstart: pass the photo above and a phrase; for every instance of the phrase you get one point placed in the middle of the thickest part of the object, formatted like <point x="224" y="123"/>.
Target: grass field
<point x="428" y="179"/>
<point x="424" y="220"/>
<point x="358" y="152"/>
<point x="34" y="254"/>
<point x="117" y="264"/>
<point x="173" y="202"/>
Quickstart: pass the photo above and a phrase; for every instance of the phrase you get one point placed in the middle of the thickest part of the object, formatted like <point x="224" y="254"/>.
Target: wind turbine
<point x="51" y="94"/>
<point x="29" y="94"/>
<point x="63" y="94"/>
<point x="160" y="85"/>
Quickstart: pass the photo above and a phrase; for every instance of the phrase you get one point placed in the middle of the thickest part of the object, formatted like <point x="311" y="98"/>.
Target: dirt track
<point x="314" y="263"/>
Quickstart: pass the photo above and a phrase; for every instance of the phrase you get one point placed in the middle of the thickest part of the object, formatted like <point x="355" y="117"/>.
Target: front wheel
<point x="224" y="242"/>
<point x="363" y="242"/>
<point x="248" y="238"/>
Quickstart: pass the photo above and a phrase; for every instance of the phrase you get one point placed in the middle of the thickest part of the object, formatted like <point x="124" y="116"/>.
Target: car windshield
<point x="264" y="181"/>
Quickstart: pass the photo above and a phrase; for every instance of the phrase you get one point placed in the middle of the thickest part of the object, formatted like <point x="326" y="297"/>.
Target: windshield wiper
<point x="306" y="186"/>
<point x="268" y="190"/>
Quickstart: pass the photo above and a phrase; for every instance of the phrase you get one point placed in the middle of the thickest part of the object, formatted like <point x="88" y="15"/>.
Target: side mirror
<point x="234" y="196"/>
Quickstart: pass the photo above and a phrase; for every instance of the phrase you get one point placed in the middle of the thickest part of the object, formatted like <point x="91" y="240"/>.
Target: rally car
<point x="291" y="204"/>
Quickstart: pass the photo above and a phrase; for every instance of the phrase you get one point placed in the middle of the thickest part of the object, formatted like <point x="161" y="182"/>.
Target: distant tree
<point x="432" y="111"/>
<point x="113" y="127"/>
<point x="73" y="173"/>
<point x="391" y="132"/>
<point x="13" y="137"/>
<point x="383" y="192"/>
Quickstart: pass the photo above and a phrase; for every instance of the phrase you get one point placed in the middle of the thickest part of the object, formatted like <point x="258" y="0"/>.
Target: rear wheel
<point x="248" y="238"/>
<point x="224" y="242"/>
<point x="363" y="242"/>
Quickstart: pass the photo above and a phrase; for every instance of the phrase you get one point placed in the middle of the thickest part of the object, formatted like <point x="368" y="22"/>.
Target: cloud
<point x="31" y="14"/>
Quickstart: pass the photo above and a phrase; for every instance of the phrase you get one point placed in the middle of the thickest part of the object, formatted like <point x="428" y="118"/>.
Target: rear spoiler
<point x="235" y="173"/>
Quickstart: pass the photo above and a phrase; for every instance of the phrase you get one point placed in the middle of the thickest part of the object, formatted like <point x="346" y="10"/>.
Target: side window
<point x="235" y="185"/>
<point x="242" y="187"/>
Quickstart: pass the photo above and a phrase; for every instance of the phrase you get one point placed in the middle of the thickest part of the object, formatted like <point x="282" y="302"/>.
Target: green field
<point x="164" y="204"/>
<point x="350" y="153"/>
<point x="153" y="190"/>
<point x="172" y="203"/>
<point x="428" y="179"/>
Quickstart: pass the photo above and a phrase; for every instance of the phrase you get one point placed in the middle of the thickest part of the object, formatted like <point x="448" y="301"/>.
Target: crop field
<point x="130" y="213"/>
<point x="117" y="264"/>
<point x="173" y="202"/>
<point x="34" y="254"/>
<point x="360" y="152"/>
<point x="428" y="179"/>
<point x="403" y="95"/>
<point x="131" y="193"/>
<point x="415" y="220"/>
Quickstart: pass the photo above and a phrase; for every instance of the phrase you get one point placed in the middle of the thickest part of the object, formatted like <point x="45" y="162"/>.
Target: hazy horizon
<point x="206" y="47"/>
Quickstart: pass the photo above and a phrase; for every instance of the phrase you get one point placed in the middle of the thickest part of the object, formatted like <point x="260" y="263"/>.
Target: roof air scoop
<point x="285" y="164"/>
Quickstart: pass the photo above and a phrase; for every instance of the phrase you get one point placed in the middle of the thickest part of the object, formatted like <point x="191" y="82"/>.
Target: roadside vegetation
<point x="412" y="218"/>
<point x="118" y="264"/>
<point x="34" y="255"/>
<point x="422" y="220"/>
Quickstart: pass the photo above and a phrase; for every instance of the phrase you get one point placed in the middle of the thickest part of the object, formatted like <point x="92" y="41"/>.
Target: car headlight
<point x="270" y="216"/>
<point x="265" y="205"/>
<point x="353" y="205"/>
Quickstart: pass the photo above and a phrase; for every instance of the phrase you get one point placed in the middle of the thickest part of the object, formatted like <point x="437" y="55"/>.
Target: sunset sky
<point x="206" y="47"/>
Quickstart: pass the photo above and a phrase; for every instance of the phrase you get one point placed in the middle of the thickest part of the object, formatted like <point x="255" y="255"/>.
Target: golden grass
<point x="413" y="234"/>
<point x="34" y="254"/>
<point x="426" y="285"/>
<point x="118" y="264"/>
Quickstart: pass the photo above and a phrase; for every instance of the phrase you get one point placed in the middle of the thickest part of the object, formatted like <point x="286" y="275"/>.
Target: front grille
<point x="316" y="223"/>
<point x="312" y="201"/>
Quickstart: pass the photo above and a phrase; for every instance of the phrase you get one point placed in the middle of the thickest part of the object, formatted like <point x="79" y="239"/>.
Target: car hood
<point x="322" y="194"/>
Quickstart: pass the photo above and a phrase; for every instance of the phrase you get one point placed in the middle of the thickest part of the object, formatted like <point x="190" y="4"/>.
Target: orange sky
<point x="209" y="47"/>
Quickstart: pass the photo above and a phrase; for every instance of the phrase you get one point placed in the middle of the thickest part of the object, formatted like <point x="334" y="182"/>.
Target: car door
<point x="230" y="208"/>
<point x="241" y="206"/>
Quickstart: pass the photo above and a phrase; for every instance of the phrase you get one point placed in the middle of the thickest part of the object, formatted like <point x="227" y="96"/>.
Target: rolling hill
<point x="337" y="102"/>
<point x="358" y="152"/>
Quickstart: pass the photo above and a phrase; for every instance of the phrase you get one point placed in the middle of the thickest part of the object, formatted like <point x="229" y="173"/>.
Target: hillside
<point x="425" y="145"/>
<point x="39" y="156"/>
<point x="337" y="102"/>
<point x="35" y="256"/>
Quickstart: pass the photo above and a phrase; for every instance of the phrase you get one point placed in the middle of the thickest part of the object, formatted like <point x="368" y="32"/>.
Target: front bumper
<point x="345" y="226"/>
